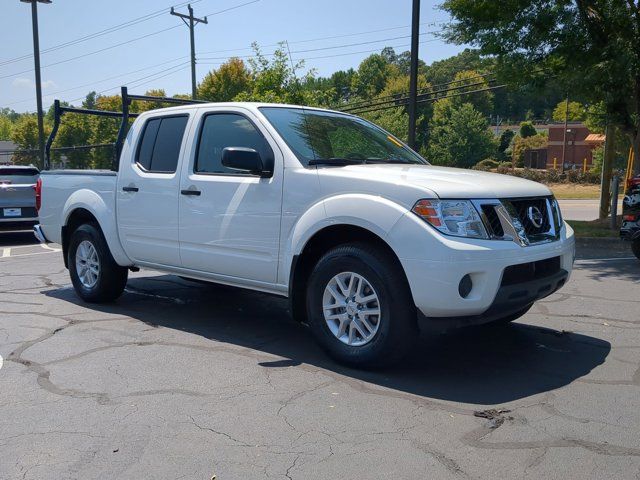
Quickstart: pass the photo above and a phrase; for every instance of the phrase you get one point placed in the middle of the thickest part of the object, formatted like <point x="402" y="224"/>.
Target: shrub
<point x="486" y="164"/>
<point x="527" y="130"/>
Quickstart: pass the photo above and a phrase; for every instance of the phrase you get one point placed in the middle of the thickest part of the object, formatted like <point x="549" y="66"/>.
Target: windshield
<point x="316" y="136"/>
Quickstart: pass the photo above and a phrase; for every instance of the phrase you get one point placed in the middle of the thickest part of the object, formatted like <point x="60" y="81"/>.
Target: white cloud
<point x="27" y="83"/>
<point x="21" y="82"/>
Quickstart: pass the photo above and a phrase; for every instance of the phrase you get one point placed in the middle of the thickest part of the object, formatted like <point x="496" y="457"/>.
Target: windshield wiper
<point x="340" y="161"/>
<point x="385" y="160"/>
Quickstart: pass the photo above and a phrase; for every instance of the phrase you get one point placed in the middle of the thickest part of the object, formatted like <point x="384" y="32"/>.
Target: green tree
<point x="225" y="83"/>
<point x="105" y="130"/>
<point x="5" y="127"/>
<point x="522" y="144"/>
<point x="505" y="140"/>
<point x="75" y="130"/>
<point x="591" y="46"/>
<point x="275" y="80"/>
<point x="372" y="76"/>
<point x="460" y="135"/>
<point x="576" y="112"/>
<point x="90" y="100"/>
<point x="393" y="120"/>
<point x="527" y="129"/>
<point x="25" y="134"/>
<point x="481" y="101"/>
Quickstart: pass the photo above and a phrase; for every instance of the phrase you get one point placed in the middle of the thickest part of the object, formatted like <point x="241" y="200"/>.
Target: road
<point x="582" y="209"/>
<point x="184" y="380"/>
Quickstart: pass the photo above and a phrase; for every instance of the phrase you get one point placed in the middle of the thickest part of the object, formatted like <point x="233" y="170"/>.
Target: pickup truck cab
<point x="360" y="232"/>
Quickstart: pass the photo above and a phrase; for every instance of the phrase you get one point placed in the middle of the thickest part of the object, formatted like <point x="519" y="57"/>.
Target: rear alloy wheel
<point x="94" y="273"/>
<point x="359" y="306"/>
<point x="87" y="264"/>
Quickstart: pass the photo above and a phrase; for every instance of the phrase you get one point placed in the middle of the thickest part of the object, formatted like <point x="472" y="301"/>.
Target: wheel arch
<point x="86" y="206"/>
<point x="317" y="245"/>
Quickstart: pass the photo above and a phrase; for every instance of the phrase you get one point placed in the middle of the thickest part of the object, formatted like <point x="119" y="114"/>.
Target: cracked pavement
<point x="184" y="380"/>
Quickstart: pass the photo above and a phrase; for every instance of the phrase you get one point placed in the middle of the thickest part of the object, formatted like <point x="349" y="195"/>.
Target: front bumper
<point x="511" y="299"/>
<point x="435" y="267"/>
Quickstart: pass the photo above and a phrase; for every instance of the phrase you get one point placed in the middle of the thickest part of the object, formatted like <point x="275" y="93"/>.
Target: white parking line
<point x="6" y="252"/>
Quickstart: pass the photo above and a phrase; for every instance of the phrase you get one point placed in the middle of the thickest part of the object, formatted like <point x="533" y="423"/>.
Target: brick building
<point x="580" y="145"/>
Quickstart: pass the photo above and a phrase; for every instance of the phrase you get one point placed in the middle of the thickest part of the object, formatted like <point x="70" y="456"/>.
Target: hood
<point x="429" y="181"/>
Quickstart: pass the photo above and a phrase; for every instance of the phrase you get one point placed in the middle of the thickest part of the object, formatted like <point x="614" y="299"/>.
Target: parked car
<point x="17" y="196"/>
<point x="630" y="229"/>
<point x="360" y="232"/>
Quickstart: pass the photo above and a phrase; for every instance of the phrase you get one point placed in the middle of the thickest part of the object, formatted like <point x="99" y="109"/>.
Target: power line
<point x="397" y="99"/>
<point x="364" y="51"/>
<point x="99" y="33"/>
<point x="425" y="99"/>
<point x="95" y="51"/>
<point x="422" y="90"/>
<point x="156" y="76"/>
<point x="318" y="39"/>
<point x="333" y="47"/>
<point x="102" y="80"/>
<point x="124" y="43"/>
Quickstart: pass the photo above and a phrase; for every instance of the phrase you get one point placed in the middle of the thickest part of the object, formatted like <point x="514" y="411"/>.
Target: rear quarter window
<point x="159" y="147"/>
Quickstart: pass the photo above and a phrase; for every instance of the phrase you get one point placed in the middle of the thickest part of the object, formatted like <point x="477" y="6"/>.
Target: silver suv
<point x="18" y="196"/>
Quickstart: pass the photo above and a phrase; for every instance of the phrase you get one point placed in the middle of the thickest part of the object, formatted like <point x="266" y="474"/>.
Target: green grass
<point x="593" y="228"/>
<point x="576" y="191"/>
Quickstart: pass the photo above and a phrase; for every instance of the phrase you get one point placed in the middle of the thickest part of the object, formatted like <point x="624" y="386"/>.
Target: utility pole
<point x="413" y="75"/>
<point x="564" y="137"/>
<point x="36" y="59"/>
<point x="193" y="21"/>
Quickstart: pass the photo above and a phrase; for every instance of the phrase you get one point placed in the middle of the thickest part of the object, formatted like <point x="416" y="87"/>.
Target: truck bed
<point x="59" y="185"/>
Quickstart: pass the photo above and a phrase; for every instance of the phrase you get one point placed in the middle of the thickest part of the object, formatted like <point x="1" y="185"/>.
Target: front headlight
<point x="451" y="217"/>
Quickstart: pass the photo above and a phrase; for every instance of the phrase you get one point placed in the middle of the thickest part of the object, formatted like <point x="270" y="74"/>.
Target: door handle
<point x="191" y="192"/>
<point x="130" y="189"/>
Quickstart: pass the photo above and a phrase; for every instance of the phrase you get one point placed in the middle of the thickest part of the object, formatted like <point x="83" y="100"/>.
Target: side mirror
<point x="244" y="159"/>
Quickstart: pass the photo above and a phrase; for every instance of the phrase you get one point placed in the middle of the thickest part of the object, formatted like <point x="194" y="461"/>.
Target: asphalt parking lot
<point x="184" y="380"/>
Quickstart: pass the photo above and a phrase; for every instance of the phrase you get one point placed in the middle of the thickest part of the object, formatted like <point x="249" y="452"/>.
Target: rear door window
<point x="159" y="148"/>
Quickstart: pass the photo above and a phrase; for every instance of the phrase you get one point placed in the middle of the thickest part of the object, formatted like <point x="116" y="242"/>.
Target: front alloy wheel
<point x="351" y="309"/>
<point x="359" y="305"/>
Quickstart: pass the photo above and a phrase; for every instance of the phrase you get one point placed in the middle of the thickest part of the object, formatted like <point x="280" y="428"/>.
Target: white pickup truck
<point x="360" y="232"/>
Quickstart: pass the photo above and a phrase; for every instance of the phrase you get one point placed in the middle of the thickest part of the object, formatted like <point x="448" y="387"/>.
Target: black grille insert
<point x="524" y="272"/>
<point x="493" y="221"/>
<point x="538" y="205"/>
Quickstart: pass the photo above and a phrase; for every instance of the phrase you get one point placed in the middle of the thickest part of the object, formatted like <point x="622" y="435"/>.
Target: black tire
<point x="397" y="327"/>
<point x="111" y="278"/>
<point x="635" y="247"/>
<point x="512" y="317"/>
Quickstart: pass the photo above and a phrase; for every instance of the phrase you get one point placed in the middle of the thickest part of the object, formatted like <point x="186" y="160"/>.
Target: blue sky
<point x="161" y="59"/>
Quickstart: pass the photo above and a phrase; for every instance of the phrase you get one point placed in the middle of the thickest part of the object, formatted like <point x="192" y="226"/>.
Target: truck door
<point x="147" y="191"/>
<point x="230" y="220"/>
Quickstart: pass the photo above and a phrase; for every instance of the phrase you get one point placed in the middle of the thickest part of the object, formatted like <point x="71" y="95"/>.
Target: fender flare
<point x="95" y="204"/>
<point x="370" y="212"/>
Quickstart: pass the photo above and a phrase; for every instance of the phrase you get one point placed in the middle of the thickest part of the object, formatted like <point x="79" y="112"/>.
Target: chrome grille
<point x="527" y="221"/>
<point x="524" y="208"/>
